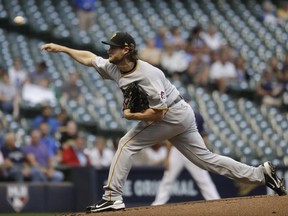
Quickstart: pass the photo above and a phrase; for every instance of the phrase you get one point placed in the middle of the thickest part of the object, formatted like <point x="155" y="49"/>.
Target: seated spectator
<point x="282" y="12"/>
<point x="243" y="75"/>
<point x="46" y="116"/>
<point x="17" y="75"/>
<point x="63" y="118"/>
<point x="230" y="52"/>
<point x="38" y="156"/>
<point x="3" y="128"/>
<point x="174" y="62"/>
<point x="9" y="97"/>
<point x="39" y="74"/>
<point x="150" y="53"/>
<point x="74" y="154"/>
<point x="285" y="62"/>
<point x="68" y="134"/>
<point x="2" y="72"/>
<point x="152" y="156"/>
<point x="176" y="39"/>
<point x="50" y="142"/>
<point x="16" y="168"/>
<point x="2" y="168"/>
<point x="284" y="82"/>
<point x="198" y="70"/>
<point x="195" y="43"/>
<point x="70" y="90"/>
<point x="40" y="94"/>
<point x="100" y="155"/>
<point x="222" y="72"/>
<point x="268" y="16"/>
<point x="275" y="68"/>
<point x="212" y="38"/>
<point x="162" y="38"/>
<point x="156" y="154"/>
<point x="85" y="10"/>
<point x="269" y="90"/>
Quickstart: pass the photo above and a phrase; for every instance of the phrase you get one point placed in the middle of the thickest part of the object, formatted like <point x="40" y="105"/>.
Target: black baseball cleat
<point x="272" y="180"/>
<point x="105" y="205"/>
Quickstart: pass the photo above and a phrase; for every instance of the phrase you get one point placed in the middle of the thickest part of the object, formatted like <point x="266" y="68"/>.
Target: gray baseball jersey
<point x="178" y="126"/>
<point x="151" y="79"/>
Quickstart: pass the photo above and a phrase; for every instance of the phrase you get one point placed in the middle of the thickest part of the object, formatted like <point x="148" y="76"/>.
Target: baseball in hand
<point x="19" y="20"/>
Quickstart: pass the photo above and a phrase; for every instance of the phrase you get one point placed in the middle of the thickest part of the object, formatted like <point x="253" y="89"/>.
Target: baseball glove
<point x="135" y="98"/>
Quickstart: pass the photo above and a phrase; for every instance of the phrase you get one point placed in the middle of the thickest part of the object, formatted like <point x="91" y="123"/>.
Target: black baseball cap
<point x="120" y="39"/>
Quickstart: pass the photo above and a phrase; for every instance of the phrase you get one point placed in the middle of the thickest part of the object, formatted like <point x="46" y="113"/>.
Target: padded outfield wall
<point x="85" y="186"/>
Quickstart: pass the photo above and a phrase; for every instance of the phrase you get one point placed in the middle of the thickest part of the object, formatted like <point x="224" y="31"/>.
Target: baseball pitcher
<point x="167" y="117"/>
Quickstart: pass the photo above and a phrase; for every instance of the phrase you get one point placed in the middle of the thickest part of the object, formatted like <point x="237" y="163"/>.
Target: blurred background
<point x="229" y="60"/>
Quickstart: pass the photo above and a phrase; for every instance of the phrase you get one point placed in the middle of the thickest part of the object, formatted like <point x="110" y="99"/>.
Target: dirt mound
<point x="245" y="206"/>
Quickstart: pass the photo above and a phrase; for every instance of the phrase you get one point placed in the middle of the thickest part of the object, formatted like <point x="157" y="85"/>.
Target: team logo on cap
<point x="114" y="35"/>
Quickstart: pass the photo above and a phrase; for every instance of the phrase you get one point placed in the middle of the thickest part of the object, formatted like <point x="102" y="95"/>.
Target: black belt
<point x="179" y="98"/>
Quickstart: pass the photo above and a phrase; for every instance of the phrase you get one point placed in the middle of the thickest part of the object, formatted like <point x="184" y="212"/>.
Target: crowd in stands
<point x="274" y="15"/>
<point x="55" y="140"/>
<point x="205" y="59"/>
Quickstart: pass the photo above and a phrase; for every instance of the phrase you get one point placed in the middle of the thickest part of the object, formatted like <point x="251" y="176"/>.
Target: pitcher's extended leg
<point x="192" y="146"/>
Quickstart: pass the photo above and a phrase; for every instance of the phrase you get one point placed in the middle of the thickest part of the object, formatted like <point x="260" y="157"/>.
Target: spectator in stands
<point x="156" y="154"/>
<point x="152" y="156"/>
<point x="3" y="128"/>
<point x="50" y="142"/>
<point x="74" y="154"/>
<point x="195" y="43"/>
<point x="174" y="62"/>
<point x="268" y="16"/>
<point x="9" y="97"/>
<point x="2" y="71"/>
<point x="16" y="168"/>
<point x="85" y="13"/>
<point x="212" y="38"/>
<point x="150" y="53"/>
<point x="68" y="134"/>
<point x="231" y="54"/>
<point x="176" y="39"/>
<point x="46" y="116"/>
<point x="242" y="72"/>
<point x="17" y="75"/>
<point x="162" y="38"/>
<point x="285" y="63"/>
<point x="198" y="70"/>
<point x="284" y="93"/>
<point x="63" y="118"/>
<point x="2" y="168"/>
<point x="70" y="90"/>
<point x="282" y="11"/>
<point x="100" y="155"/>
<point x="275" y="68"/>
<point x="38" y="155"/>
<point x="39" y="74"/>
<point x="269" y="90"/>
<point x="222" y="72"/>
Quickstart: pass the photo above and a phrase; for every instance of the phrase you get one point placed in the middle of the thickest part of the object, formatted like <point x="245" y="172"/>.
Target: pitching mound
<point x="246" y="206"/>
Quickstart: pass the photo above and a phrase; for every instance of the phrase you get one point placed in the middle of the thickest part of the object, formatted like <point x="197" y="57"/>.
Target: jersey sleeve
<point x="102" y="67"/>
